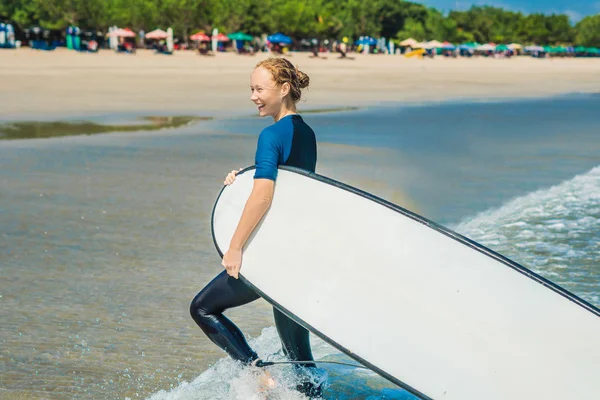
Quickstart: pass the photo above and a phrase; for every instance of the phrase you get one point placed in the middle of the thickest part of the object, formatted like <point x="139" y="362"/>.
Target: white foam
<point x="554" y="231"/>
<point x="227" y="379"/>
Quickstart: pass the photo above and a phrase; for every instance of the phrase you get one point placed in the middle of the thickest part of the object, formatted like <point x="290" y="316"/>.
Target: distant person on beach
<point x="342" y="49"/>
<point x="276" y="87"/>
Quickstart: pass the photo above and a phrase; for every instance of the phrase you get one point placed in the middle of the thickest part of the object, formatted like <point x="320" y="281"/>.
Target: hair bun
<point x="303" y="79"/>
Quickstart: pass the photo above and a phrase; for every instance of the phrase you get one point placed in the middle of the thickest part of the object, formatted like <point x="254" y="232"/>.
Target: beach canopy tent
<point x="239" y="36"/>
<point x="366" y="40"/>
<point x="200" y="37"/>
<point x="410" y="42"/>
<point x="279" y="38"/>
<point x="121" y="33"/>
<point x="157" y="34"/>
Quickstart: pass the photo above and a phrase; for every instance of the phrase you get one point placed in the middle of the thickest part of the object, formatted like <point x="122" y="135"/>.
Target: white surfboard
<point x="426" y="308"/>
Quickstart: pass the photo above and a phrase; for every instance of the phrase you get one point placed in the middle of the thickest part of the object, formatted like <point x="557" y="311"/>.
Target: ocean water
<point x="456" y="159"/>
<point x="105" y="239"/>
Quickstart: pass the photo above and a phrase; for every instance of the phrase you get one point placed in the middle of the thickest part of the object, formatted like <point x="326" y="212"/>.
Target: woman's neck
<point x="284" y="112"/>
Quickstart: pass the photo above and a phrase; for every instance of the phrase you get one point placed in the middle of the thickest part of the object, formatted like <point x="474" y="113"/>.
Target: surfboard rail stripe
<point x="416" y="217"/>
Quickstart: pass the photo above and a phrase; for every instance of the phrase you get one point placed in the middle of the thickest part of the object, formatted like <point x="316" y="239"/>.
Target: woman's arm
<point x="257" y="205"/>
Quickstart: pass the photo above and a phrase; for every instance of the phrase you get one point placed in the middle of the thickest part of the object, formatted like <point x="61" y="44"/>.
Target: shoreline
<point x="137" y="115"/>
<point x="128" y="117"/>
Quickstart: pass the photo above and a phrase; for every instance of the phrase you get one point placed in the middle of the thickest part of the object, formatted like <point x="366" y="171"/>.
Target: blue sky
<point x="575" y="9"/>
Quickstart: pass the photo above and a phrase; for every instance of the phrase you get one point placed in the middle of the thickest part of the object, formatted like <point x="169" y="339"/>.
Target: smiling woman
<point x="276" y="87"/>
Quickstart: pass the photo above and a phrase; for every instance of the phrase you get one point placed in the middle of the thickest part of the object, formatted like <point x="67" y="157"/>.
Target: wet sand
<point x="47" y="84"/>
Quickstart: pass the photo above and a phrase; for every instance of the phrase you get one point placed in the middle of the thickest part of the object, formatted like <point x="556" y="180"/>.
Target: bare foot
<point x="266" y="380"/>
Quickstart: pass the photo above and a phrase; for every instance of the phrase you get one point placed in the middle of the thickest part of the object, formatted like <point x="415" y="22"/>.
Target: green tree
<point x="439" y="27"/>
<point x="412" y="29"/>
<point x="307" y="18"/>
<point x="23" y="12"/>
<point x="588" y="31"/>
<point x="58" y="14"/>
<point x="560" y="29"/>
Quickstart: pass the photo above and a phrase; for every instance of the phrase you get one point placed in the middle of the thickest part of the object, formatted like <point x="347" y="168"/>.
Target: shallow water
<point x="105" y="239"/>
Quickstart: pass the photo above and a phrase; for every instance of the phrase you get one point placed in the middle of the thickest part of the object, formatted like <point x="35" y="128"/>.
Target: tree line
<point x="332" y="19"/>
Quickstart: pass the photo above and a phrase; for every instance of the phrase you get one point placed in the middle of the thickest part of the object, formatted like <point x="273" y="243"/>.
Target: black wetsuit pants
<point x="225" y="292"/>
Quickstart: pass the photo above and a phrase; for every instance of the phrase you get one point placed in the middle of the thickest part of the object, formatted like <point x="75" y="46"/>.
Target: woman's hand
<point x="232" y="261"/>
<point x="231" y="177"/>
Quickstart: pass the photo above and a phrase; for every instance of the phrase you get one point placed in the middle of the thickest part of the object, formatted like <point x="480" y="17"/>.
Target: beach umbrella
<point x="410" y="42"/>
<point x="502" y="47"/>
<point x="559" y="49"/>
<point x="200" y="37"/>
<point x="448" y="46"/>
<point x="433" y="44"/>
<point x="279" y="38"/>
<point x="580" y="49"/>
<point x="239" y="36"/>
<point x="486" y="47"/>
<point x="157" y="34"/>
<point x="534" y="48"/>
<point x="120" y="32"/>
<point x="515" y="46"/>
<point x="470" y="45"/>
<point x="221" y="38"/>
<point x="366" y="40"/>
<point x="592" y="50"/>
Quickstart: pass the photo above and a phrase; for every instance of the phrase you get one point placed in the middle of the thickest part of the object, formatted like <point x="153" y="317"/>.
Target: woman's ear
<point x="285" y="89"/>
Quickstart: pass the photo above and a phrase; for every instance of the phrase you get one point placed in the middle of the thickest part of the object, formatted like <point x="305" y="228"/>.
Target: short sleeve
<point x="267" y="155"/>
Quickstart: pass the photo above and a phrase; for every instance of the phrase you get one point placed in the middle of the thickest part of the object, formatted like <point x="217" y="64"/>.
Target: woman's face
<point x="267" y="96"/>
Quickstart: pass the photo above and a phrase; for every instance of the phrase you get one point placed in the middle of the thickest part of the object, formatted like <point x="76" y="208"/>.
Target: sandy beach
<point x="49" y="84"/>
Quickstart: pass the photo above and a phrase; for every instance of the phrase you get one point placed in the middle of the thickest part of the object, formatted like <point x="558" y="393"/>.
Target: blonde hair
<point x="283" y="71"/>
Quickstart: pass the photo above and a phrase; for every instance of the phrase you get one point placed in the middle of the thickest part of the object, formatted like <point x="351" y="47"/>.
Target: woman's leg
<point x="207" y="308"/>
<point x="296" y="346"/>
<point x="294" y="338"/>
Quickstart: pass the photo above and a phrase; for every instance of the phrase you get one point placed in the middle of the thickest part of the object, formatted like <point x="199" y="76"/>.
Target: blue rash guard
<point x="289" y="141"/>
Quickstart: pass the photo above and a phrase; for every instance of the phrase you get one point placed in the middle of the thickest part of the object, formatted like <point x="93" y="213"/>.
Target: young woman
<point x="276" y="87"/>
